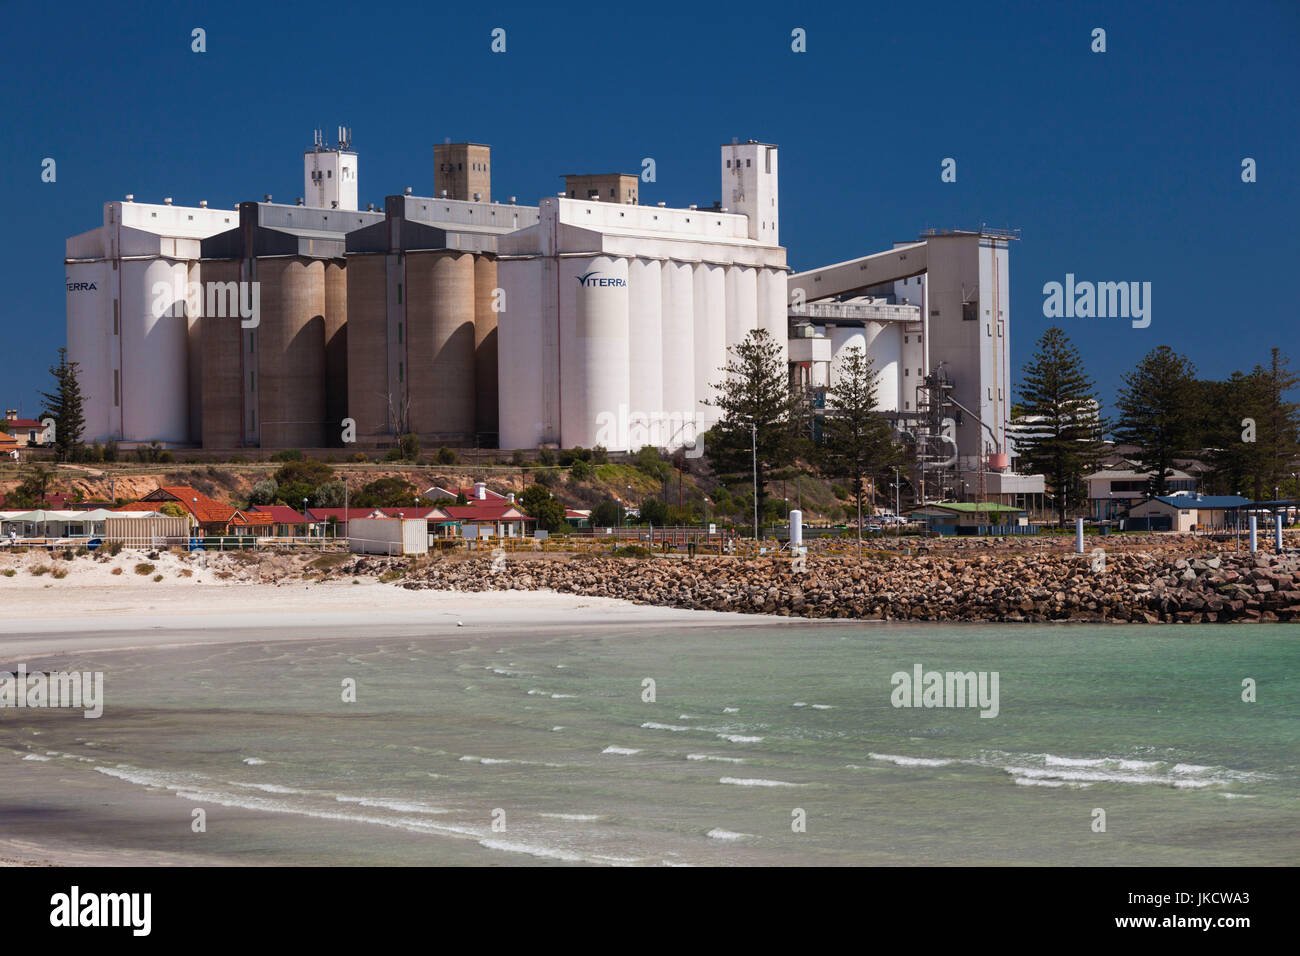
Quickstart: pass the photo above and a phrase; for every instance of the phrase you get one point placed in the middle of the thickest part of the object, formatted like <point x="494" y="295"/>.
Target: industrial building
<point x="587" y="319"/>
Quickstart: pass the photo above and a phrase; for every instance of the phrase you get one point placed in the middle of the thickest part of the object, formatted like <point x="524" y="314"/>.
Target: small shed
<point x="388" y="536"/>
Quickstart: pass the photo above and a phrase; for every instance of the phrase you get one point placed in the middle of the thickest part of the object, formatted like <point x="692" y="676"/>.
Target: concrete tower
<point x="464" y="171"/>
<point x="330" y="175"/>
<point x="749" y="178"/>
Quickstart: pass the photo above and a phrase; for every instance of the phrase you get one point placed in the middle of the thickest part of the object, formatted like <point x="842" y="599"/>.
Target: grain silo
<point x="422" y="285"/>
<point x="266" y="288"/>
<point x="130" y="319"/>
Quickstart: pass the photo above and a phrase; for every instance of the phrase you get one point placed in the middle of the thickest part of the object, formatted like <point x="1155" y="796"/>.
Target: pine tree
<point x="64" y="406"/>
<point x="857" y="442"/>
<point x="1064" y="440"/>
<point x="756" y="393"/>
<point x="1279" y="424"/>
<point x="1159" y="413"/>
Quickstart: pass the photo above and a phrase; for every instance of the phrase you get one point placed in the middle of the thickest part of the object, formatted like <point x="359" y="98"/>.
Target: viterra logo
<point x="80" y="286"/>
<point x="589" y="279"/>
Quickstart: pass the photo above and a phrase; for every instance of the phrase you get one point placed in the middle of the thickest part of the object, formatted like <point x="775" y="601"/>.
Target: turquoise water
<point x="749" y="725"/>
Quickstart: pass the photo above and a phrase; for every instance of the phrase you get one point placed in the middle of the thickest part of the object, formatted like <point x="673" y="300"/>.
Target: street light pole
<point x="753" y="445"/>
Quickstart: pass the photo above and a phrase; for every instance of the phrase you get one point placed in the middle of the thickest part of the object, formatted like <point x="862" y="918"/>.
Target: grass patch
<point x="8" y="572"/>
<point x="225" y="575"/>
<point x="157" y="578"/>
<point x="186" y="573"/>
<point x="115" y="548"/>
<point x="327" y="562"/>
<point x="59" y="573"/>
<point x="389" y="576"/>
<point x="144" y="569"/>
<point x="117" y="570"/>
<point x="40" y="569"/>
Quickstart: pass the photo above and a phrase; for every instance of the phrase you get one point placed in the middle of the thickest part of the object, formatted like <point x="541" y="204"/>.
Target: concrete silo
<point x="440" y="322"/>
<point x="225" y="388"/>
<point x="645" y="352"/>
<point x="678" y="299"/>
<point x="710" y="295"/>
<point x="593" y="339"/>
<point x="336" y="349"/>
<point x="367" y="343"/>
<point x="485" y="350"/>
<point x="290" y="350"/>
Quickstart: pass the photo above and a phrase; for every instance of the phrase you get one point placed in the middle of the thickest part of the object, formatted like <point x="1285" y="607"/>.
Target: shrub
<point x="600" y="455"/>
<point x="157" y="578"/>
<point x="581" y="470"/>
<point x="117" y="570"/>
<point x="8" y="572"/>
<point x="143" y="569"/>
<point x="548" y="477"/>
<point x="545" y="456"/>
<point x="287" y="454"/>
<point x="40" y="569"/>
<point x="115" y="548"/>
<point x="631" y="551"/>
<point x="186" y="573"/>
<point x="517" y="458"/>
<point x="446" y="456"/>
<point x="360" y="457"/>
<point x="390" y="575"/>
<point x="264" y="492"/>
<point x="59" y="573"/>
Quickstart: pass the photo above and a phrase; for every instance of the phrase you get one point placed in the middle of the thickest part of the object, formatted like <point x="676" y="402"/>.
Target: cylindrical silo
<point x="222" y="376"/>
<point x="155" y="351"/>
<point x="593" y="348"/>
<point x="742" y="303"/>
<point x="843" y="337"/>
<point x="710" y="305"/>
<point x="336" y="350"/>
<point x="440" y="345"/>
<point x="885" y="348"/>
<point x="291" y="352"/>
<point x="367" y="343"/>
<point x="194" y="340"/>
<point x="678" y="298"/>
<point x="772" y="316"/>
<point x="645" y="354"/>
<point x="92" y="342"/>
<point x="521" y="360"/>
<point x="485" y="348"/>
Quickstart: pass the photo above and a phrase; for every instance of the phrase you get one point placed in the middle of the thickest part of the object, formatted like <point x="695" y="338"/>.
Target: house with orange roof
<point x="210" y="515"/>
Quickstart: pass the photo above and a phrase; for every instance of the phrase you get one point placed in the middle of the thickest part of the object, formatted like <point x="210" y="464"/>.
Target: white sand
<point x="93" y="609"/>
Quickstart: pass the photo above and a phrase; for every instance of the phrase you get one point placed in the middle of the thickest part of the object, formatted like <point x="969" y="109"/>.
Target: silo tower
<point x="330" y="175"/>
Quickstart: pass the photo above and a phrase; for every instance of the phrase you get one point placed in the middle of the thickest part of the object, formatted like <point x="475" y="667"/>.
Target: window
<point x="252" y="380"/>
<point x="768" y="159"/>
<point x="252" y="421"/>
<point x="611" y="192"/>
<point x="115" y="332"/>
<point x="969" y="311"/>
<point x="749" y="163"/>
<point x="252" y="342"/>
<point x="728" y="164"/>
<point x="401" y="372"/>
<point x="399" y="333"/>
<point x="906" y="372"/>
<point x="399" y="293"/>
<point x="329" y="174"/>
<point x="117" y="394"/>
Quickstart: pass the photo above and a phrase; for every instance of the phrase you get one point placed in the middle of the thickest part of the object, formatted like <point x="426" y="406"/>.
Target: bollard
<point x="1078" y="536"/>
<point x="796" y="528"/>
<point x="1277" y="533"/>
<point x="1254" y="530"/>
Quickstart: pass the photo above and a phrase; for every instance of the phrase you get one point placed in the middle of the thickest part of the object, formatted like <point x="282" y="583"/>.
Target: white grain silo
<point x="710" y="338"/>
<point x="645" y="350"/>
<point x="678" y="302"/>
<point x="594" y="357"/>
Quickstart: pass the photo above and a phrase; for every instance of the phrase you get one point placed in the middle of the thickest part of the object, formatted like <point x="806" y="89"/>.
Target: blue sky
<point x="1122" y="166"/>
